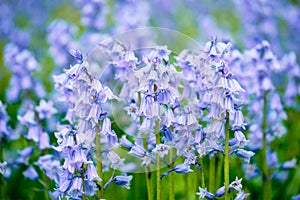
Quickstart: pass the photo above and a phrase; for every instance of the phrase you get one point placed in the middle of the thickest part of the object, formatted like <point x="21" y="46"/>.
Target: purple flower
<point x="3" y="166"/>
<point x="77" y="55"/>
<point x="216" y="49"/>
<point x="203" y="193"/>
<point x="238" y="120"/>
<point x="65" y="185"/>
<point x="296" y="197"/>
<point x="31" y="173"/>
<point x="236" y="184"/>
<point x="125" y="143"/>
<point x="45" y="110"/>
<point x="251" y="170"/>
<point x="168" y="135"/>
<point x="241" y="195"/>
<point x="123" y="181"/>
<point x="220" y="192"/>
<point x="161" y="150"/>
<point x="44" y="141"/>
<point x="138" y="151"/>
<point x="182" y="168"/>
<point x="91" y="173"/>
<point x="115" y="160"/>
<point x="246" y="155"/>
<point x="3" y="120"/>
<point x="289" y="164"/>
<point x="60" y="37"/>
<point x="76" y="184"/>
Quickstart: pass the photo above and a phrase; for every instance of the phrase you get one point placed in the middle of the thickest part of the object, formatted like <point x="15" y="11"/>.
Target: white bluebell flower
<point x="161" y="150"/>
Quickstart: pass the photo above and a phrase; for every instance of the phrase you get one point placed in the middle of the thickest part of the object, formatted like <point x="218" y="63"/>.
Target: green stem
<point x="2" y="180"/>
<point x="202" y="173"/>
<point x="158" y="180"/>
<point x="219" y="170"/>
<point x="83" y="186"/>
<point x="171" y="177"/>
<point x="226" y="158"/>
<point x="147" y="173"/>
<point x="267" y="192"/>
<point x="196" y="182"/>
<point x="186" y="186"/>
<point x="212" y="170"/>
<point x="45" y="184"/>
<point x="100" y="192"/>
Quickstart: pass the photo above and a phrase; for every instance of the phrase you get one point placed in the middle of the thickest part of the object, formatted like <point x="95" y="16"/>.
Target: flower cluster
<point x="88" y="122"/>
<point x="22" y="64"/>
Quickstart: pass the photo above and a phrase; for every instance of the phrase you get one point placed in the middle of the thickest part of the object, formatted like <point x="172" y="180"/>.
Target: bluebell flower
<point x="236" y="184"/>
<point x="93" y="14"/>
<point x="216" y="49"/>
<point x="22" y="64"/>
<point x="50" y="165"/>
<point x="169" y="117"/>
<point x="115" y="160"/>
<point x="76" y="184"/>
<point x="241" y="195"/>
<point x="90" y="188"/>
<point x="251" y="170"/>
<point x="168" y="135"/>
<point x="24" y="155"/>
<point x="125" y="142"/>
<point x="77" y="55"/>
<point x="272" y="160"/>
<point x="28" y="118"/>
<point x="246" y="155"/>
<point x="44" y="141"/>
<point x="289" y="164"/>
<point x="238" y="120"/>
<point x="131" y="15"/>
<point x="74" y="71"/>
<point x="91" y="173"/>
<point x="123" y="181"/>
<point x="296" y="197"/>
<point x="34" y="132"/>
<point x="239" y="140"/>
<point x="3" y="166"/>
<point x="3" y="120"/>
<point x="182" y="168"/>
<point x="65" y="185"/>
<point x="281" y="176"/>
<point x="161" y="150"/>
<point x="203" y="193"/>
<point x="190" y="158"/>
<point x="60" y="36"/>
<point x="220" y="192"/>
<point x="31" y="173"/>
<point x="45" y="109"/>
<point x="138" y="151"/>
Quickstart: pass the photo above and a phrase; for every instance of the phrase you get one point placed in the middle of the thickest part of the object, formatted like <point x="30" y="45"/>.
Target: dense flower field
<point x="136" y="99"/>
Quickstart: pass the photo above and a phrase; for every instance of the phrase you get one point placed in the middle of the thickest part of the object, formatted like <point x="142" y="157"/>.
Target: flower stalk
<point x="212" y="170"/>
<point x="147" y="173"/>
<point x="158" y="180"/>
<point x="202" y="173"/>
<point x="100" y="192"/>
<point x="226" y="158"/>
<point x="219" y="170"/>
<point x="267" y="192"/>
<point x="171" y="178"/>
